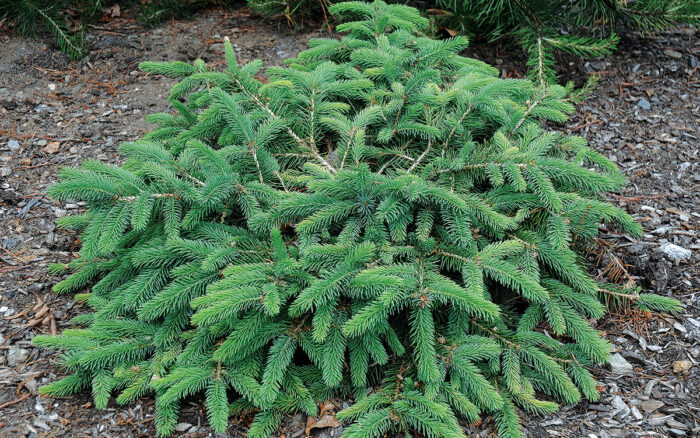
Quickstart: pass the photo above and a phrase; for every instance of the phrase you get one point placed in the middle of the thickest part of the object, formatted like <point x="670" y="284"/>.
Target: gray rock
<point x="619" y="364"/>
<point x="182" y="427"/>
<point x="13" y="144"/>
<point x="10" y="242"/>
<point x="673" y="54"/>
<point x="16" y="355"/>
<point x="644" y="104"/>
<point x="675" y="252"/>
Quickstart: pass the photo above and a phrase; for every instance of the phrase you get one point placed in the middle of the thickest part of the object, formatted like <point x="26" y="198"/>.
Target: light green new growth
<point x="383" y="220"/>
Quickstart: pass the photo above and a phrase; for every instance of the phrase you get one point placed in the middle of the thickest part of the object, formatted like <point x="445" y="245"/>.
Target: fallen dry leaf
<point x="450" y="32"/>
<point x="51" y="148"/>
<point x="327" y="420"/>
<point x="114" y="11"/>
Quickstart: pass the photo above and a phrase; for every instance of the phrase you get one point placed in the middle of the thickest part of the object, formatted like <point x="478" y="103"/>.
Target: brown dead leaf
<point x="34" y="322"/>
<point x="450" y="32"/>
<point x="325" y="407"/>
<point x="114" y="11"/>
<point x="18" y="315"/>
<point x="327" y="420"/>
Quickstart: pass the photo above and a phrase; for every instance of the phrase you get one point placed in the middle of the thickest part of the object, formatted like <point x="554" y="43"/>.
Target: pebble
<point x="673" y="54"/>
<point x="13" y="144"/>
<point x="619" y="364"/>
<point x="682" y="366"/>
<point x="644" y="104"/>
<point x="16" y="355"/>
<point x="182" y="427"/>
<point x="674" y="252"/>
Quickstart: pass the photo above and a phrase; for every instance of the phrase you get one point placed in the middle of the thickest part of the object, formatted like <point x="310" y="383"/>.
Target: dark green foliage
<point x="584" y="28"/>
<point x="383" y="220"/>
<point x="28" y="17"/>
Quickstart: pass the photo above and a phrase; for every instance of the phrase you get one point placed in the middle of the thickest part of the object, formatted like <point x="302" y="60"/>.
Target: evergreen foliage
<point x="584" y="28"/>
<point x="383" y="220"/>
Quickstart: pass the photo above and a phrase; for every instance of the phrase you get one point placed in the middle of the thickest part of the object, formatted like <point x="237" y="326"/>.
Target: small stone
<point x="619" y="364"/>
<point x="52" y="87"/>
<point x="673" y="54"/>
<point x="674" y="252"/>
<point x="182" y="427"/>
<point x="13" y="144"/>
<point x="51" y="148"/>
<point x="16" y="355"/>
<point x="682" y="366"/>
<point x="651" y="405"/>
<point x="5" y="171"/>
<point x="644" y="104"/>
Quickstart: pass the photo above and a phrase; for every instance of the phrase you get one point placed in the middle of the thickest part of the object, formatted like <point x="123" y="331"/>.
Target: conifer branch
<point x="221" y="253"/>
<point x="421" y="156"/>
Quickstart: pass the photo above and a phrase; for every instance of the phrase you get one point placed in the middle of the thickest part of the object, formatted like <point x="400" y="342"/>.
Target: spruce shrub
<point x="383" y="220"/>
